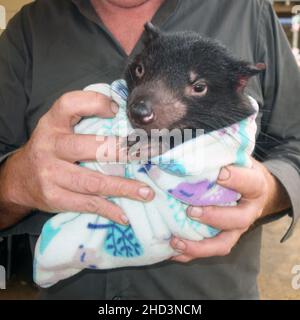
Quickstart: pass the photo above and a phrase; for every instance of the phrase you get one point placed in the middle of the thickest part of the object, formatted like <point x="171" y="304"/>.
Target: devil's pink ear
<point x="246" y="72"/>
<point x="152" y="32"/>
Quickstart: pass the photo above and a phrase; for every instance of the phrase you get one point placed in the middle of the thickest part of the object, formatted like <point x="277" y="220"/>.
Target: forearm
<point x="10" y="211"/>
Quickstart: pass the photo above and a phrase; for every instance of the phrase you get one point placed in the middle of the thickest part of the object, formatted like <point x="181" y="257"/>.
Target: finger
<point x="247" y="181"/>
<point x="84" y="147"/>
<point x="220" y="245"/>
<point x="226" y="218"/>
<point x="66" y="201"/>
<point x="182" y="258"/>
<point x="72" y="106"/>
<point x="82" y="180"/>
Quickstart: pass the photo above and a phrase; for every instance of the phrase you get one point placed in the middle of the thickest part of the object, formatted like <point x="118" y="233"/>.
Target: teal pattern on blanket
<point x="48" y="233"/>
<point x="172" y="167"/>
<point x="244" y="141"/>
<point x="121" y="242"/>
<point x="184" y="176"/>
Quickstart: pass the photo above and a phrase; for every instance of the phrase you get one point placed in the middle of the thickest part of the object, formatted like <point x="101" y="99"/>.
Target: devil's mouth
<point x="148" y="122"/>
<point x="149" y="118"/>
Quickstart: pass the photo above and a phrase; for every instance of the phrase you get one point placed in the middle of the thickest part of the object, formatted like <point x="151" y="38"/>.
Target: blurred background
<point x="278" y="260"/>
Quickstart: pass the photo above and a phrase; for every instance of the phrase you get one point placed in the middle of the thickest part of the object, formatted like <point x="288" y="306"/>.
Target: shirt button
<point x="117" y="298"/>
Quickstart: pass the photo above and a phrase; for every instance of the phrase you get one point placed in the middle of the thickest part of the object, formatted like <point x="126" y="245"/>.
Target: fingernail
<point x="224" y="174"/>
<point x="180" y="245"/>
<point x="145" y="193"/>
<point x="195" y="212"/>
<point x="124" y="219"/>
<point x="114" y="107"/>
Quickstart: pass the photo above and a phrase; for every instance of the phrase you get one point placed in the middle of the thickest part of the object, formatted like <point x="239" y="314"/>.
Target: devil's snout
<point x="141" y="112"/>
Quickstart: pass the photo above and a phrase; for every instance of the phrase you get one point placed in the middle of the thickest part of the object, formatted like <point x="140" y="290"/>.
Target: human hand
<point x="262" y="194"/>
<point x="43" y="173"/>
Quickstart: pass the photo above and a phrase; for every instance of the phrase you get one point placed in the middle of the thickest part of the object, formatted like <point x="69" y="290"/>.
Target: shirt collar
<point x="86" y="9"/>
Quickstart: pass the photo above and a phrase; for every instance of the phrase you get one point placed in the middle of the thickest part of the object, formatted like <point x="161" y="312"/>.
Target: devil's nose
<point x="142" y="112"/>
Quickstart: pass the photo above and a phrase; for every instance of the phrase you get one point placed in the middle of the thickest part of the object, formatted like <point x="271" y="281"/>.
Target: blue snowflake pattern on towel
<point x="122" y="242"/>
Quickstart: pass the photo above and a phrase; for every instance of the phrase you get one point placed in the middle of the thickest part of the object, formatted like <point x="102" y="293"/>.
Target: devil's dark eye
<point x="199" y="87"/>
<point x="139" y="70"/>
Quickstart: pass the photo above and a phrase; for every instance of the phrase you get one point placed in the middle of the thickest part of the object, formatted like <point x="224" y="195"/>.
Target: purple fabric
<point x="201" y="193"/>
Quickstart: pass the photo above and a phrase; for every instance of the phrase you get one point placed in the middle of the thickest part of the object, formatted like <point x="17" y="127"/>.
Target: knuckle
<point x="103" y="186"/>
<point x="50" y="195"/>
<point x="244" y="221"/>
<point x="67" y="144"/>
<point x="189" y="259"/>
<point x="107" y="210"/>
<point x="59" y="142"/>
<point x="74" y="145"/>
<point x="45" y="175"/>
<point x="36" y="155"/>
<point x="42" y="122"/>
<point x="38" y="148"/>
<point x="75" y="180"/>
<point x="123" y="189"/>
<point x="64" y="100"/>
<point x="261" y="184"/>
<point x="103" y="208"/>
<point x="93" y="206"/>
<point x="54" y="200"/>
<point x="225" y="250"/>
<point x="91" y="184"/>
<point x="97" y="98"/>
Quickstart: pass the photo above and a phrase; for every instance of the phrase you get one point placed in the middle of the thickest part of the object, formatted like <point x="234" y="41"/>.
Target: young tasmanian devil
<point x="184" y="81"/>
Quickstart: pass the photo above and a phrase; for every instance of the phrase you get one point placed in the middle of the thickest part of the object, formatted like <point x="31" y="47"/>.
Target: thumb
<point x="245" y="181"/>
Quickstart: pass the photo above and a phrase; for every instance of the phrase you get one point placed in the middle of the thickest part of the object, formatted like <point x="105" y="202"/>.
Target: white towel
<point x="187" y="174"/>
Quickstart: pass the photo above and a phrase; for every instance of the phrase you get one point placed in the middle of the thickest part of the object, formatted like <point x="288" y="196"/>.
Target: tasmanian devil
<point x="184" y="81"/>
